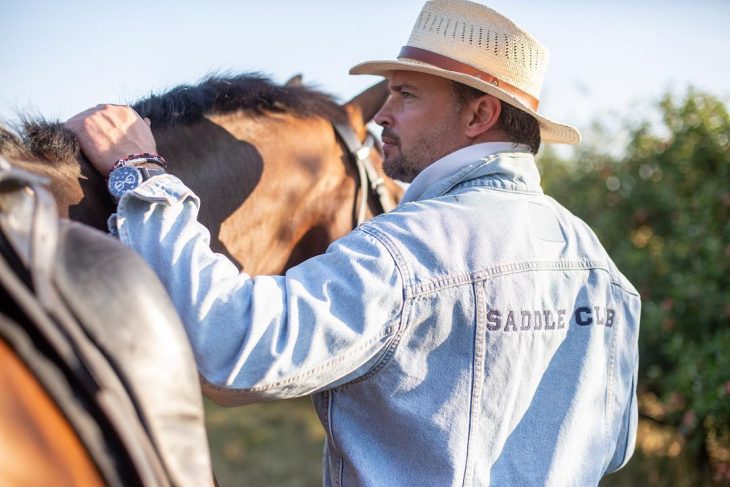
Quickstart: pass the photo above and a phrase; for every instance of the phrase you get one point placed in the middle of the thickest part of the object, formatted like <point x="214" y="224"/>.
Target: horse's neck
<point x="274" y="189"/>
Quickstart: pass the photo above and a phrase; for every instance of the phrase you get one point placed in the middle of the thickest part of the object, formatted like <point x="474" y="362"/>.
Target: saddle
<point x="95" y="326"/>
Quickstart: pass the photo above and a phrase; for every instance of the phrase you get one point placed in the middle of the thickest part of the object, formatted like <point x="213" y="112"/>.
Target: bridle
<point x="370" y="181"/>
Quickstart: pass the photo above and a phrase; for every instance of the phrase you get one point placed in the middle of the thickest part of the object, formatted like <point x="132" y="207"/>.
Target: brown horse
<point x="277" y="186"/>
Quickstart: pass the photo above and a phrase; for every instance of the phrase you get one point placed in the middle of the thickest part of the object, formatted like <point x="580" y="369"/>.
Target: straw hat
<point x="477" y="46"/>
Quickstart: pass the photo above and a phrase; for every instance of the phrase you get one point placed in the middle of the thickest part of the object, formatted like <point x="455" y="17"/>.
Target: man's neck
<point x="493" y="135"/>
<point x="455" y="161"/>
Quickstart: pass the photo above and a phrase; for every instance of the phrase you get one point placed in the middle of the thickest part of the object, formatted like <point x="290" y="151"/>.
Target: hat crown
<point x="483" y="38"/>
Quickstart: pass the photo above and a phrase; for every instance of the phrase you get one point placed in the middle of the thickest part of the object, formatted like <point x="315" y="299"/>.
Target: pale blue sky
<point x="60" y="57"/>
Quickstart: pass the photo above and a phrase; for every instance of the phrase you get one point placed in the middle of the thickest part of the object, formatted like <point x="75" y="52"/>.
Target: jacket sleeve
<point x="324" y="323"/>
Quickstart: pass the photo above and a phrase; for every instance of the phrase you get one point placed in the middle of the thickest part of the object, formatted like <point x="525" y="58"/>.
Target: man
<point x="478" y="334"/>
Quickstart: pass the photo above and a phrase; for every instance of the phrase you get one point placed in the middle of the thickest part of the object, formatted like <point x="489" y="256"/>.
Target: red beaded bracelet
<point x="141" y="158"/>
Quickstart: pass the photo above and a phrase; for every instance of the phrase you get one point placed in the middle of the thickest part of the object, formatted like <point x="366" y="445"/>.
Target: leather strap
<point x="360" y="155"/>
<point x="32" y="225"/>
<point x="445" y="62"/>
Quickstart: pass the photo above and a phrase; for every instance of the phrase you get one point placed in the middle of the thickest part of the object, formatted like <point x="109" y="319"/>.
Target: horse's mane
<point x="182" y="105"/>
<point x="251" y="92"/>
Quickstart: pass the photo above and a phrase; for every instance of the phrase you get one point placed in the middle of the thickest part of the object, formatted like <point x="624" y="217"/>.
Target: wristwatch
<point x="126" y="178"/>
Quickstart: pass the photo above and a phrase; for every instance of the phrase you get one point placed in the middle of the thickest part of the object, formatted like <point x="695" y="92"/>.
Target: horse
<point x="274" y="165"/>
<point x="284" y="170"/>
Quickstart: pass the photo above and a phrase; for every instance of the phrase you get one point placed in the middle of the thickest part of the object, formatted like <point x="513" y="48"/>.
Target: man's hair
<point x="520" y="126"/>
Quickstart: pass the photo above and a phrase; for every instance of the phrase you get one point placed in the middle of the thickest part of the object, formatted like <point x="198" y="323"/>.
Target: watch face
<point x="123" y="179"/>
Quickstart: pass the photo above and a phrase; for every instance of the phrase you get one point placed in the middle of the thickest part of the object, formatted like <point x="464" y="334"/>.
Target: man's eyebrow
<point x="402" y="86"/>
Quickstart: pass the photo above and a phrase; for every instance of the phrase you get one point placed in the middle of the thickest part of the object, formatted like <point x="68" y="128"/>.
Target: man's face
<point x="421" y="123"/>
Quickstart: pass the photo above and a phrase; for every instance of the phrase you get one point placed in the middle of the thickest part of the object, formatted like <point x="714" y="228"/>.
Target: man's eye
<point x="405" y="94"/>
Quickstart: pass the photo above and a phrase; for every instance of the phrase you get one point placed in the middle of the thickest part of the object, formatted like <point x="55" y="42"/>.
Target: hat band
<point x="449" y="64"/>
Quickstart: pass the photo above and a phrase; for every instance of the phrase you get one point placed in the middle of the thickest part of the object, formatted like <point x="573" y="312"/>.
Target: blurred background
<point x="648" y="84"/>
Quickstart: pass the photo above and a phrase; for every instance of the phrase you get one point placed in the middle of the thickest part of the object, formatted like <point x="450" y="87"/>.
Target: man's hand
<point x="107" y="133"/>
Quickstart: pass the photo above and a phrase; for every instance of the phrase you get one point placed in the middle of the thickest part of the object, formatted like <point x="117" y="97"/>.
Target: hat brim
<point x="550" y="131"/>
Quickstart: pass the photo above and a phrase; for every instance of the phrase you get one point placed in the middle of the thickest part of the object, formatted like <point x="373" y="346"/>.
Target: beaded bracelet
<point x="141" y="158"/>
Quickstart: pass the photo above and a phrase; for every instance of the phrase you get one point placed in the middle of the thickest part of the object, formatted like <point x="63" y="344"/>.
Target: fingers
<point x="107" y="133"/>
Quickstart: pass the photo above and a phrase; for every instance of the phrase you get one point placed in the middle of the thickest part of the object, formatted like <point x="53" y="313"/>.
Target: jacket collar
<point x="506" y="165"/>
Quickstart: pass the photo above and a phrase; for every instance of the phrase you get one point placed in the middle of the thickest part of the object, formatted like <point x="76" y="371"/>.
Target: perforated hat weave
<point x="477" y="46"/>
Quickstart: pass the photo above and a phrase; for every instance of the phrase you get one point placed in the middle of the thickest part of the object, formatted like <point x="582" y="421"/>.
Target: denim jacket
<point x="477" y="336"/>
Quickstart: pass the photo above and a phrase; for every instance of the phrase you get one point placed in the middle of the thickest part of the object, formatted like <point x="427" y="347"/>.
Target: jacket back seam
<point x="441" y="283"/>
<point x="477" y="387"/>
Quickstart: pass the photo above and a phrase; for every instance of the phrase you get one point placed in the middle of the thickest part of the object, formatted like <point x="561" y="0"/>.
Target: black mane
<point x="252" y="92"/>
<point x="184" y="104"/>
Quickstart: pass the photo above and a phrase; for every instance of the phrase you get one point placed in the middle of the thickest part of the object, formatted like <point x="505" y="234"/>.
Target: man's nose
<point x="383" y="117"/>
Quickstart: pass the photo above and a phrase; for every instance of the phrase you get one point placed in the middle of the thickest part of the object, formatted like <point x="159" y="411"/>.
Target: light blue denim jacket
<point x="477" y="336"/>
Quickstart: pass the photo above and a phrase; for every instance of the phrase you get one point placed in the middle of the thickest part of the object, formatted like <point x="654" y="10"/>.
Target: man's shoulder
<point x="587" y="234"/>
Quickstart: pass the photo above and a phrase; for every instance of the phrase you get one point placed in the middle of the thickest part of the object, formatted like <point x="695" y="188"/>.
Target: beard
<point x="405" y="163"/>
<point x="402" y="168"/>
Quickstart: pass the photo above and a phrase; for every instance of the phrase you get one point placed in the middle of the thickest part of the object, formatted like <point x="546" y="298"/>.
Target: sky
<point x="608" y="59"/>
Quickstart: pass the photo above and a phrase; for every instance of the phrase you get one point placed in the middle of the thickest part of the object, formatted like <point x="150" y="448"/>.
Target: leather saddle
<point x="94" y="324"/>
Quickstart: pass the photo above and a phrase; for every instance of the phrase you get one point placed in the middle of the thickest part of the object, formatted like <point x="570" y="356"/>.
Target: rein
<point x="370" y="181"/>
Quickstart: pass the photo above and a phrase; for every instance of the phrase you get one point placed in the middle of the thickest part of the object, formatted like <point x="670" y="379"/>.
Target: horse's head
<point x="363" y="107"/>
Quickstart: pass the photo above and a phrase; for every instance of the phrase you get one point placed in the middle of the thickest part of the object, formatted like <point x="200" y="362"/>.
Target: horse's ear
<point x="362" y="108"/>
<point x="295" y="80"/>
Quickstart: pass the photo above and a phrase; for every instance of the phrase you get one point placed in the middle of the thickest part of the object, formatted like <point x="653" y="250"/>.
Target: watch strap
<point x="149" y="170"/>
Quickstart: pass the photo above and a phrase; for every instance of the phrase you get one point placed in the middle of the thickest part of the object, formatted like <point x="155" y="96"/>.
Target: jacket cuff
<point x="165" y="188"/>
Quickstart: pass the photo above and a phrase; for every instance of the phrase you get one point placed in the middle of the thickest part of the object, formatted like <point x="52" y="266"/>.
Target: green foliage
<point x="661" y="210"/>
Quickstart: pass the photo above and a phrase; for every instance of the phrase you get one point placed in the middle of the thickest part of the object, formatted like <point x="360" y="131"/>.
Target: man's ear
<point x="483" y="114"/>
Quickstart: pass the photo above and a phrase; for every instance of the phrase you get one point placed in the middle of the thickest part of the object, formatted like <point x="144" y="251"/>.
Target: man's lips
<point x="389" y="140"/>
